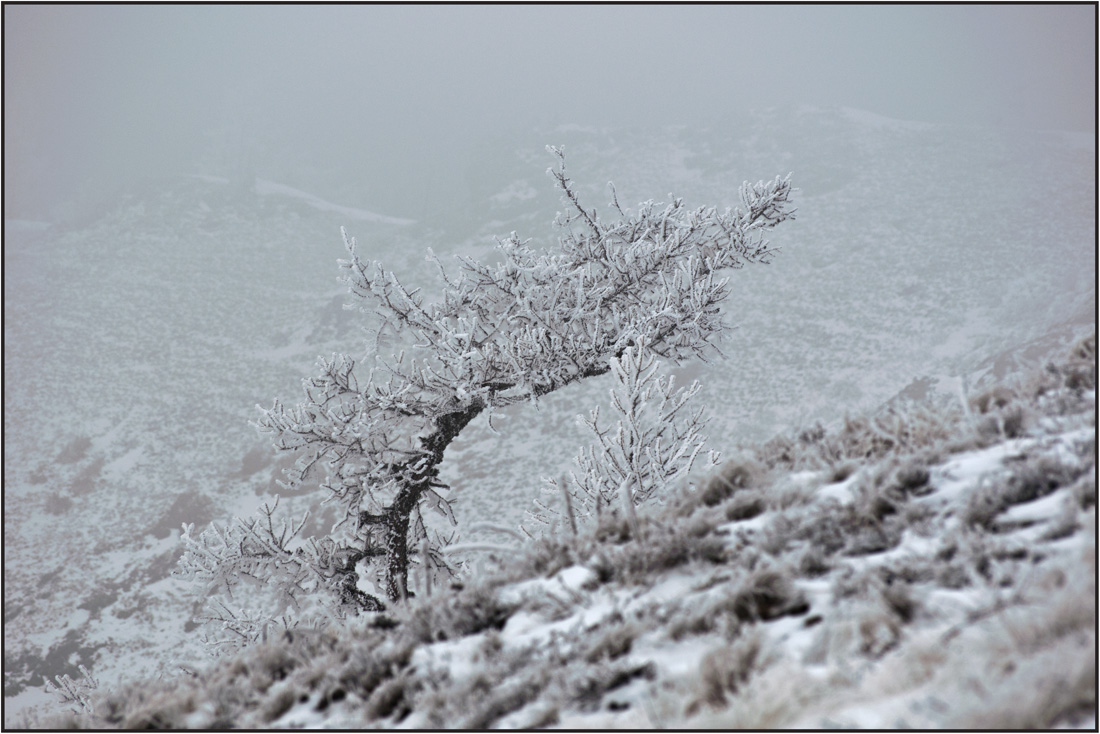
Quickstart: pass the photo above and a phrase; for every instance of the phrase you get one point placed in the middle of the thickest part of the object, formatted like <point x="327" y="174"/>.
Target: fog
<point x="389" y="105"/>
<point x="181" y="173"/>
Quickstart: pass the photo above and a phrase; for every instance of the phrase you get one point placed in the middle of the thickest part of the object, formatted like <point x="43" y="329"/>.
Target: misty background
<point x="392" y="105"/>
<point x="175" y="178"/>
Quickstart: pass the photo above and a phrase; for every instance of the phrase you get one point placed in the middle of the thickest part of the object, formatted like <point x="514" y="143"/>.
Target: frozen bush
<point x="654" y="442"/>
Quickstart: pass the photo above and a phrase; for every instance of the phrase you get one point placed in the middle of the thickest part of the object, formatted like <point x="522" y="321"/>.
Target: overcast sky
<point x="108" y="94"/>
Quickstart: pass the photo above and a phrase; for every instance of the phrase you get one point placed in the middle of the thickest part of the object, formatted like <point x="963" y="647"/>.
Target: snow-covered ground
<point x="138" y="343"/>
<point x="945" y="581"/>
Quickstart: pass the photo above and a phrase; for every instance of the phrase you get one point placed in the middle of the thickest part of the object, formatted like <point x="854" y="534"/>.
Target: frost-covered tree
<point x="502" y="334"/>
<point x="654" y="442"/>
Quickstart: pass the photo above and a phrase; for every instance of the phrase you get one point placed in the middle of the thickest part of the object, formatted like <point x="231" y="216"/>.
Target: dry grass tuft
<point x="725" y="671"/>
<point x="665" y="544"/>
<point x="896" y="429"/>
<point x="389" y="699"/>
<point x="745" y="505"/>
<point x="614" y="642"/>
<point x="472" y="609"/>
<point x="766" y="594"/>
<point x="731" y="478"/>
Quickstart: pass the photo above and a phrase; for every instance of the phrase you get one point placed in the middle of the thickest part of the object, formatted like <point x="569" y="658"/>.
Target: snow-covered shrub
<point x="284" y="581"/>
<point x="653" y="443"/>
<point x="500" y="334"/>
<point x="76" y="693"/>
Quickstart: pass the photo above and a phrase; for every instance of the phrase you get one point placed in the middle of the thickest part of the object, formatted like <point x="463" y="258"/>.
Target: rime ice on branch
<point x="654" y="442"/>
<point x="502" y="334"/>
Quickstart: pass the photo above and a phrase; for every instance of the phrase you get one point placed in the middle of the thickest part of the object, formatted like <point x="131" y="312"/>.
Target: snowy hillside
<point x="137" y="343"/>
<point x="920" y="567"/>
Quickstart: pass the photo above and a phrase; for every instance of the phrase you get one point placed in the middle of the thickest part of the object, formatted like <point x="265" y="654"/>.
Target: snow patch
<point x="520" y="190"/>
<point x="125" y="463"/>
<point x="270" y="188"/>
<point x="572" y="127"/>
<point x="222" y="180"/>
<point x="877" y="121"/>
<point x="564" y="585"/>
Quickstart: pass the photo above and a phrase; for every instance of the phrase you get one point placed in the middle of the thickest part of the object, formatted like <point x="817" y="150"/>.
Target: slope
<point x="928" y="567"/>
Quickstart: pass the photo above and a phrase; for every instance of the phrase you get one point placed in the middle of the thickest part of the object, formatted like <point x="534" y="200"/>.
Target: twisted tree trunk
<point x="395" y="520"/>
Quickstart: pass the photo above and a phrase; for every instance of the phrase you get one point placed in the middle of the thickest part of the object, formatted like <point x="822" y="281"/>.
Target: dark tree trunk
<point x="395" y="520"/>
<point x="397" y="561"/>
